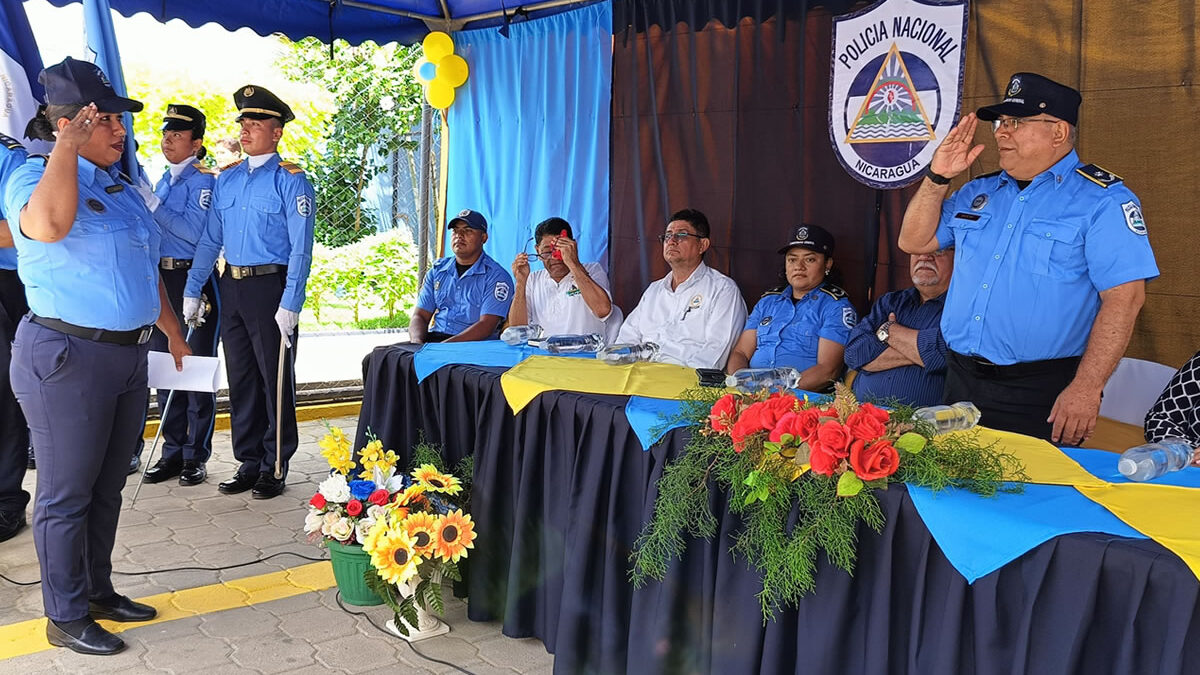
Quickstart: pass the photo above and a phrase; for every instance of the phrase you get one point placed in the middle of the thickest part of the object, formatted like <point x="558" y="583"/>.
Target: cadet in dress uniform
<point x="465" y="296"/>
<point x="89" y="253"/>
<point x="14" y="434"/>
<point x="1051" y="263"/>
<point x="263" y="214"/>
<point x="185" y="195"/>
<point x="805" y="324"/>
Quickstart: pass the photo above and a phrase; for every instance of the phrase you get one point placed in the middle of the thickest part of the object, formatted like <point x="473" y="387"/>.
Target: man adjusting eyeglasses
<point x="1052" y="264"/>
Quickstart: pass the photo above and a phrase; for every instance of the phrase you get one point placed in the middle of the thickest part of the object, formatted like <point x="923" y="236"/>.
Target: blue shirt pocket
<point x="1055" y="249"/>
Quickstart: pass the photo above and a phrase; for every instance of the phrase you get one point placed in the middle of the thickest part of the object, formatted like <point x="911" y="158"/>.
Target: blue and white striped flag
<point x="101" y="43"/>
<point x="20" y="63"/>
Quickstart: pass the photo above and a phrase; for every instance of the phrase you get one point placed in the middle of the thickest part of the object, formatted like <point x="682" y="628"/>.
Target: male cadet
<point x="262" y="214"/>
<point x="898" y="349"/>
<point x="14" y="433"/>
<point x="465" y="296"/>
<point x="1052" y="261"/>
<point x="695" y="313"/>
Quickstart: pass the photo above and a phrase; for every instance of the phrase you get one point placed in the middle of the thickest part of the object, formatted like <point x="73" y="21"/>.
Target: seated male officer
<point x="898" y="349"/>
<point x="465" y="296"/>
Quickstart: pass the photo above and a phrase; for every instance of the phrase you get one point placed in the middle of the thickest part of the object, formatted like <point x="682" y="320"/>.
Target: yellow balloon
<point x="436" y="45"/>
<point x="453" y="69"/>
<point x="439" y="94"/>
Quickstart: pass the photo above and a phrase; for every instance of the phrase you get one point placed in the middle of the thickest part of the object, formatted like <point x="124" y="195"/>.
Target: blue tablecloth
<point x="487" y="353"/>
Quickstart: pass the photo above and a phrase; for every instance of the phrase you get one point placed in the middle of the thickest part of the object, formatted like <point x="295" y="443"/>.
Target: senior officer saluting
<point x="1051" y="265"/>
<point x="185" y="196"/>
<point x="89" y="258"/>
<point x="465" y="296"/>
<point x="263" y="212"/>
<point x="14" y="434"/>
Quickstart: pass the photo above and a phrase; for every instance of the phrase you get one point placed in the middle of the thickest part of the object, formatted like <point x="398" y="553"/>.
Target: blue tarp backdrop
<point x="529" y="131"/>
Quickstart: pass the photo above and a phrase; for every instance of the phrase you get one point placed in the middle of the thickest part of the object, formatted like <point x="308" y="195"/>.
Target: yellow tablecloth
<point x="536" y="374"/>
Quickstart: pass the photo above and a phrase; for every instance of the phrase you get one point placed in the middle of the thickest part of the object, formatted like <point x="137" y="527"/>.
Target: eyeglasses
<point x="1011" y="124"/>
<point x="679" y="237"/>
<point x="531" y="250"/>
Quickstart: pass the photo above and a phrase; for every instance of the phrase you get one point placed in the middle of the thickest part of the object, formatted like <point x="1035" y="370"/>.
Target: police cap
<point x="1029" y="94"/>
<point x="257" y="103"/>
<point x="75" y="82"/>
<point x="473" y="219"/>
<point x="180" y="117"/>
<point x="811" y="237"/>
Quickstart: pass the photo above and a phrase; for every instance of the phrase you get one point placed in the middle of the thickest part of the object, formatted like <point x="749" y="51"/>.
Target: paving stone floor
<point x="171" y="526"/>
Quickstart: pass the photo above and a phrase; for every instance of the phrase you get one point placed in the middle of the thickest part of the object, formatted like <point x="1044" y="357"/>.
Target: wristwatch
<point x="882" y="333"/>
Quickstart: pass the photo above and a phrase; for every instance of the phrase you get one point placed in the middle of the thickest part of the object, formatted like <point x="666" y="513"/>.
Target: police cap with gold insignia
<point x="812" y="237"/>
<point x="180" y="117"/>
<point x="79" y="82"/>
<point x="1030" y="94"/>
<point x="473" y="219"/>
<point x="257" y="103"/>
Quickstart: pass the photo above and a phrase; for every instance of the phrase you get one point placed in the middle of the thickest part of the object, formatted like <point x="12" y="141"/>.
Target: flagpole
<point x="101" y="43"/>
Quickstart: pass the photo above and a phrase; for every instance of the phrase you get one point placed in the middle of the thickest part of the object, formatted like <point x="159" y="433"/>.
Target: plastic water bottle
<point x="519" y="335"/>
<point x="754" y="379"/>
<point x="959" y="416"/>
<point x="1149" y="461"/>
<point x="574" y="344"/>
<point x="623" y="354"/>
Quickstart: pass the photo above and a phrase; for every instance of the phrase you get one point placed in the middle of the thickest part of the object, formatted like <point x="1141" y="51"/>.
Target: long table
<point x="562" y="490"/>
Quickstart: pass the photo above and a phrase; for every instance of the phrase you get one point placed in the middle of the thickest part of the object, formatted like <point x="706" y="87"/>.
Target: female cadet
<point x="185" y="195"/>
<point x="88" y="257"/>
<point x="805" y="324"/>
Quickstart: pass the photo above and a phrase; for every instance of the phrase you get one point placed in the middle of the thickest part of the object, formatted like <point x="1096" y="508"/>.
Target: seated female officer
<point x="88" y="253"/>
<point x="805" y="324"/>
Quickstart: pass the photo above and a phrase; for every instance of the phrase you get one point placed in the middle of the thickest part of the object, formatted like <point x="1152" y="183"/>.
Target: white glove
<point x="287" y="320"/>
<point x="146" y="190"/>
<point x="192" y="315"/>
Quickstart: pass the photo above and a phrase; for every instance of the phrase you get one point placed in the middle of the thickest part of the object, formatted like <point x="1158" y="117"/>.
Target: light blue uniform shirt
<point x="261" y="217"/>
<point x="104" y="273"/>
<point x="788" y="331"/>
<point x="1029" y="264"/>
<point x="183" y="211"/>
<point x="12" y="155"/>
<point x="457" y="302"/>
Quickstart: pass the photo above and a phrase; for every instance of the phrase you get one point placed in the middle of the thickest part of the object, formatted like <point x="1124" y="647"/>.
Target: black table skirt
<point x="562" y="490"/>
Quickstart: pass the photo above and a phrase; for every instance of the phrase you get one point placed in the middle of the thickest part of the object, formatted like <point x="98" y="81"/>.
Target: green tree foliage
<point x="378" y="103"/>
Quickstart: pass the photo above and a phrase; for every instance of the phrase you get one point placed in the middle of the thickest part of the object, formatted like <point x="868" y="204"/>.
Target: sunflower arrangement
<point x="417" y="541"/>
<point x="345" y="508"/>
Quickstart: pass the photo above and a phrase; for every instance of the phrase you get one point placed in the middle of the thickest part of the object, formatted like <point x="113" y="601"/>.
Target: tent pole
<point x="424" y="226"/>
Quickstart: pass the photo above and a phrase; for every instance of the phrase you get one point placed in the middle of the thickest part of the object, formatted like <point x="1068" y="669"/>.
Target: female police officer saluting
<point x="88" y="254"/>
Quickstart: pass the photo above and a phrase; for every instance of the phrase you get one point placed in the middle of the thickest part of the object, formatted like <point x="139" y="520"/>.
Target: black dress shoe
<point x="120" y="608"/>
<point x="193" y="473"/>
<point x="162" y="470"/>
<point x="135" y="463"/>
<point x="239" y="483"/>
<point x="267" y="487"/>
<point x="91" y="639"/>
<point x="11" y="522"/>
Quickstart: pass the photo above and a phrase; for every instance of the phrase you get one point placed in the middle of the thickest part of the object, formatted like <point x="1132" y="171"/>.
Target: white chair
<point x="1133" y="388"/>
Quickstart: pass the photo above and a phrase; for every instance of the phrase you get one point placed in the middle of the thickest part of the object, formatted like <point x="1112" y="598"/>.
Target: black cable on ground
<point x="189" y="568"/>
<point x="385" y="631"/>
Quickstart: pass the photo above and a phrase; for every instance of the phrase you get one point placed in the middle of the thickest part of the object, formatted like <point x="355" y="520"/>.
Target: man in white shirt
<point x="695" y="313"/>
<point x="567" y="297"/>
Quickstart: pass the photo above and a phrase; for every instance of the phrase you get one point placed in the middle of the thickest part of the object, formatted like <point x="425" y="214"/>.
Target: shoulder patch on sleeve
<point x="833" y="291"/>
<point x="232" y="164"/>
<point x="501" y="291"/>
<point x="203" y="169"/>
<point x="849" y="317"/>
<point x="10" y="143"/>
<point x="290" y="167"/>
<point x="1097" y="175"/>
<point x="1133" y="218"/>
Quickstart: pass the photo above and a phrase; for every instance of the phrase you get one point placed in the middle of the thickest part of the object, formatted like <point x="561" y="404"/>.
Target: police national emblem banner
<point x="895" y="87"/>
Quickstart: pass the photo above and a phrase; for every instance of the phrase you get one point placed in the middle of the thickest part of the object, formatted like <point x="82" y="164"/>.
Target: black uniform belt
<point x="985" y="368"/>
<point x="137" y="336"/>
<point x="174" y="264"/>
<point x="247" y="271"/>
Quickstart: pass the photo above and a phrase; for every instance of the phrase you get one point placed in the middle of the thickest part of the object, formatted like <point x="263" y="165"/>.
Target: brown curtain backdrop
<point x="729" y="115"/>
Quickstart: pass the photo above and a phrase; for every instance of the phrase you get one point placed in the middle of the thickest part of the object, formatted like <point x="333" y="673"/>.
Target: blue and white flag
<point x="101" y="49"/>
<point x="20" y="63"/>
<point x="895" y="87"/>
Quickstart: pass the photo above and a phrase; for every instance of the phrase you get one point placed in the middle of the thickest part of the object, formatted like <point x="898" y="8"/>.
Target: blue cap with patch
<point x="1029" y="94"/>
<point x="812" y="237"/>
<point x="473" y="219"/>
<point x="79" y="82"/>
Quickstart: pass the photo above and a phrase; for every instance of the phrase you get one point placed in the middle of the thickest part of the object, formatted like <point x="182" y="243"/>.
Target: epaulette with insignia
<point x="833" y="291"/>
<point x="204" y="169"/>
<point x="232" y="164"/>
<point x="1097" y="175"/>
<point x="290" y="167"/>
<point x="10" y="143"/>
<point x="773" y="291"/>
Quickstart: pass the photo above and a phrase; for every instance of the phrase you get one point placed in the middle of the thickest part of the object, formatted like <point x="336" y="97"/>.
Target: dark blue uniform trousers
<point x="14" y="434"/>
<point x="250" y="338"/>
<point x="188" y="425"/>
<point x="85" y="402"/>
